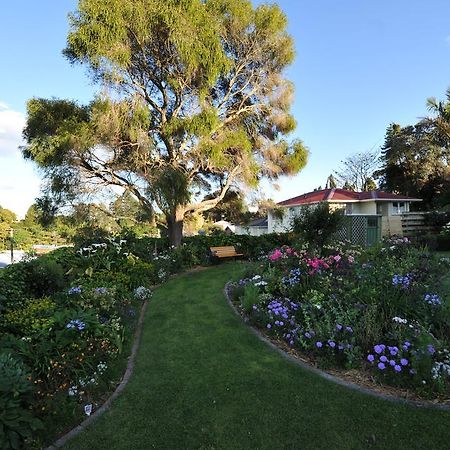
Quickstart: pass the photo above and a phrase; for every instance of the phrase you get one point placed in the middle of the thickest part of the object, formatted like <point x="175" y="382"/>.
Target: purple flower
<point x="291" y="342"/>
<point x="340" y="347"/>
<point x="431" y="349"/>
<point x="383" y="359"/>
<point x="349" y="329"/>
<point x="381" y="366"/>
<point x="397" y="368"/>
<point x="404" y="362"/>
<point x="339" y="327"/>
<point x="378" y="349"/>
<point x="269" y="326"/>
<point x="331" y="344"/>
<point x="319" y="344"/>
<point x="371" y="358"/>
<point x="392" y="362"/>
<point x="308" y="335"/>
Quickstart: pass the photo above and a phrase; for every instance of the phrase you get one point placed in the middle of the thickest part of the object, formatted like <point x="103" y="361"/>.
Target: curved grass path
<point x="202" y="380"/>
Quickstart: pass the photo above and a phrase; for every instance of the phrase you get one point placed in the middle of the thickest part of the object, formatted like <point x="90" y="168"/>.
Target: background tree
<point x="415" y="163"/>
<point x="232" y="208"/>
<point x="198" y="104"/>
<point x="7" y="218"/>
<point x="357" y="171"/>
<point x="331" y="182"/>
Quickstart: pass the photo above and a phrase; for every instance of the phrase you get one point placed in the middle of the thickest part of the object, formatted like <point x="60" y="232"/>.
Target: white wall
<point x="365" y="208"/>
<point x="282" y="226"/>
<point x="251" y="231"/>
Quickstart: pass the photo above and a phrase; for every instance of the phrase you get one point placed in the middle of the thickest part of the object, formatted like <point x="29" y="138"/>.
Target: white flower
<point x="73" y="390"/>
<point x="399" y="320"/>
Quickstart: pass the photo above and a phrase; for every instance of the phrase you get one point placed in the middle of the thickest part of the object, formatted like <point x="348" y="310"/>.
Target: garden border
<point x="107" y="404"/>
<point x="323" y="374"/>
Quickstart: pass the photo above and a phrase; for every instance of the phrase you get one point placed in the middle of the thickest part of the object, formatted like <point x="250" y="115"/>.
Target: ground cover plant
<point x="384" y="310"/>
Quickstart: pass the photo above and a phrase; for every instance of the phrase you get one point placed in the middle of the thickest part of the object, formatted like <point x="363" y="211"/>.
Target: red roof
<point x="342" y="195"/>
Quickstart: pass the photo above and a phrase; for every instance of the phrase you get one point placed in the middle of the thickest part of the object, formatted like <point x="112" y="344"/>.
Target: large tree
<point x="196" y="103"/>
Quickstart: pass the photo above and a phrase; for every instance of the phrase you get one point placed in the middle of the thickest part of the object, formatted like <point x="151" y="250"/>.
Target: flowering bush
<point x="384" y="309"/>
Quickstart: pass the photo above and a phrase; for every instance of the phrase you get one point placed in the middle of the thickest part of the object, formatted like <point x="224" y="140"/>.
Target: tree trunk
<point x="175" y="227"/>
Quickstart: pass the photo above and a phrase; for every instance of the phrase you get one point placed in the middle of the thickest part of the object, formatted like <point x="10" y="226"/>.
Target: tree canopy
<point x="416" y="157"/>
<point x="194" y="102"/>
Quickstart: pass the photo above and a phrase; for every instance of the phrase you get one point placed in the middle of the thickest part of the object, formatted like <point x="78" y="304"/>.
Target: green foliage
<point x="250" y="297"/>
<point x="34" y="316"/>
<point x="415" y="157"/>
<point x="17" y="422"/>
<point x="44" y="277"/>
<point x="207" y="110"/>
<point x="318" y="224"/>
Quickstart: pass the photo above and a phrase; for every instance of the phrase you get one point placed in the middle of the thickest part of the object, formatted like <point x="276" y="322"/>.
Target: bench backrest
<point x="224" y="251"/>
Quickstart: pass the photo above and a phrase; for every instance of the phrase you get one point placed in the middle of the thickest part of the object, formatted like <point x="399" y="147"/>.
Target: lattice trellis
<point x="359" y="230"/>
<point x="355" y="230"/>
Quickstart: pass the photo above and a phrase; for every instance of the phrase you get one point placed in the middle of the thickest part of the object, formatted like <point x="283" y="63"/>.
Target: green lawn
<point x="203" y="381"/>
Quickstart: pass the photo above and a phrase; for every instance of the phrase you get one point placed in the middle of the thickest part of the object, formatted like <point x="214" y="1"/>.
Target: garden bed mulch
<point x="354" y="379"/>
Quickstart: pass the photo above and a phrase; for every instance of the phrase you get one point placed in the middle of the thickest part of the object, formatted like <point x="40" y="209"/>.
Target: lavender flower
<point x="74" y="290"/>
<point x="76" y="324"/>
<point x="432" y="299"/>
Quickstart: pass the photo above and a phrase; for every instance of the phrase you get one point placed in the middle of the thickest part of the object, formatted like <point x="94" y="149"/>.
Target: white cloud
<point x="19" y="183"/>
<point x="11" y="126"/>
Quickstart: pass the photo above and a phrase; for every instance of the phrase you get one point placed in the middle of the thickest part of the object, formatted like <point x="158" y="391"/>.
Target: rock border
<point x="126" y="377"/>
<point x="325" y="375"/>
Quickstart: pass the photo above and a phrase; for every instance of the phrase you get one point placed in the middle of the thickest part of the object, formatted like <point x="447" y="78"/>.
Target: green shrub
<point x="35" y="315"/>
<point x="17" y="422"/>
<point x="318" y="224"/>
<point x="44" y="277"/>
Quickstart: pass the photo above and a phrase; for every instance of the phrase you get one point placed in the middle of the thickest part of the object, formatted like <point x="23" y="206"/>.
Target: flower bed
<point x="66" y="322"/>
<point x="385" y="311"/>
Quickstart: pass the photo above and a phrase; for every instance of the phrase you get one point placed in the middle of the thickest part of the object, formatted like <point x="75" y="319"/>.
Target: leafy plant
<point x="17" y="422"/>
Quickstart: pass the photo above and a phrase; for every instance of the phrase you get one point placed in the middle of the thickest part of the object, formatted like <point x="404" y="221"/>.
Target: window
<point x="399" y="207"/>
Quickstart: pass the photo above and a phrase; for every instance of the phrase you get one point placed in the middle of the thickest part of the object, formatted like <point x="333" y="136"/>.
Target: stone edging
<point x="129" y="370"/>
<point x="327" y="376"/>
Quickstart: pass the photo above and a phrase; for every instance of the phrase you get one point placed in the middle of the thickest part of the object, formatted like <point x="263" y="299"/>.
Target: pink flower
<point x="351" y="259"/>
<point x="277" y="254"/>
<point x="337" y="258"/>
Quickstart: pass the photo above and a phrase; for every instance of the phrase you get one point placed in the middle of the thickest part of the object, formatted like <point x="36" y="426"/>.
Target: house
<point x="381" y="210"/>
<point x="256" y="227"/>
<point x="226" y="226"/>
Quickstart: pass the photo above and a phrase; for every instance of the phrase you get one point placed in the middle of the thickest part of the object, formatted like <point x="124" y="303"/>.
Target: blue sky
<point x="360" y="65"/>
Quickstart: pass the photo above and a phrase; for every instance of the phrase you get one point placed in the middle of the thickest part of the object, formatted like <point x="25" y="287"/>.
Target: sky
<point x="360" y="66"/>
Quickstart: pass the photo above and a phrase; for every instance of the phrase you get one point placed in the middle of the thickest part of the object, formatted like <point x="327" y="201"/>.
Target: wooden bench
<point x="224" y="252"/>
